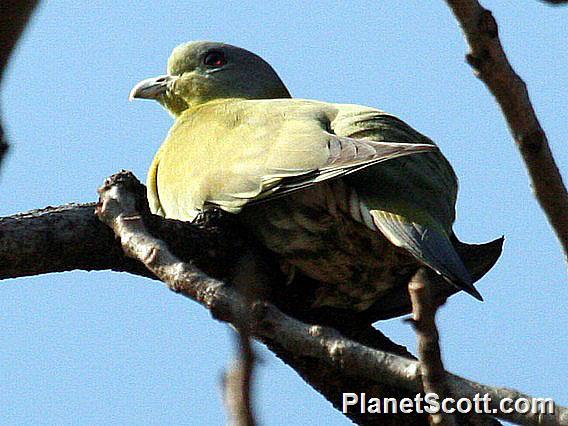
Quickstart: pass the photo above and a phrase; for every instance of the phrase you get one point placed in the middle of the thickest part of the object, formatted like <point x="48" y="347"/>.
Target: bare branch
<point x="239" y="379"/>
<point x="118" y="209"/>
<point x="555" y="2"/>
<point x="13" y="19"/>
<point x="330" y="347"/>
<point x="363" y="360"/>
<point x="14" y="15"/>
<point x="279" y="332"/>
<point x="490" y="64"/>
<point x="3" y="144"/>
<point x="424" y="321"/>
<point x="70" y="237"/>
<point x="238" y="384"/>
<point x="59" y="239"/>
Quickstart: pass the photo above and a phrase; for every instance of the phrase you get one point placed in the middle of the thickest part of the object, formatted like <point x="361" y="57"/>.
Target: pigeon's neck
<point x="176" y="106"/>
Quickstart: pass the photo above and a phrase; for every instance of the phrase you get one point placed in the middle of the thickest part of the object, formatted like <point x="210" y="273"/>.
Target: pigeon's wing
<point x="410" y="200"/>
<point x="238" y="153"/>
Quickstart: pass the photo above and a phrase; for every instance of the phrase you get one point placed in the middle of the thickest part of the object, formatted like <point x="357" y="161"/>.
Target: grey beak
<point x="152" y="88"/>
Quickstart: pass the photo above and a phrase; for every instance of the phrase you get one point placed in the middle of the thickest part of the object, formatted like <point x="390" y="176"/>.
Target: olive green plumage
<point x="350" y="195"/>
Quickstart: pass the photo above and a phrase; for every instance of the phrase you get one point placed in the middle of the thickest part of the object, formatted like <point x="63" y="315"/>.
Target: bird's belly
<point x="315" y="231"/>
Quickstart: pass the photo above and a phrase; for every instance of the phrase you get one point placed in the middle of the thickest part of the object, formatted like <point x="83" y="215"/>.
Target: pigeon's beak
<point x="152" y="88"/>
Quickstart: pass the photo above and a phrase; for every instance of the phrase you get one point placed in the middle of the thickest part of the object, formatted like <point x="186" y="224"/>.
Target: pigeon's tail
<point x="478" y="258"/>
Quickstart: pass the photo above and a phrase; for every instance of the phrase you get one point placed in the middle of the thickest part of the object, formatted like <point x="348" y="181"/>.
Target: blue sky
<point x="88" y="348"/>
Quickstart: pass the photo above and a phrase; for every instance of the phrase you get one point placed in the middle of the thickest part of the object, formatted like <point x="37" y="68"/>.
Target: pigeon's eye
<point x="214" y="59"/>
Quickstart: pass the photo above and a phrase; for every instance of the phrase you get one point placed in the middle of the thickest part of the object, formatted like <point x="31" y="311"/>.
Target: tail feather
<point x="478" y="258"/>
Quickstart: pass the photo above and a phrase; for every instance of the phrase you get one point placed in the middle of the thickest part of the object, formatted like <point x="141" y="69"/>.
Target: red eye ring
<point x="214" y="59"/>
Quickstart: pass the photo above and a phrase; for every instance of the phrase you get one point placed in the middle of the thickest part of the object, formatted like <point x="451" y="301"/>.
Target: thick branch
<point x="271" y="326"/>
<point x="118" y="209"/>
<point x="328" y="346"/>
<point x="59" y="239"/>
<point x="490" y="64"/>
<point x="69" y="237"/>
<point x="326" y="359"/>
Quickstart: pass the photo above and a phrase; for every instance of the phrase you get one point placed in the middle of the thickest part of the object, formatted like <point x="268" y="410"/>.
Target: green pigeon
<point x="349" y="195"/>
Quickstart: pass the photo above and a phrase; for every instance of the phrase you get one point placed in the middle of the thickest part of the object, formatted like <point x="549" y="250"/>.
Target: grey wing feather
<point x="346" y="156"/>
<point x="430" y="246"/>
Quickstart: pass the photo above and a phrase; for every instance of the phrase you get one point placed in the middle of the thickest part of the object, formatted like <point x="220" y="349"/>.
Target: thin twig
<point x="491" y="65"/>
<point x="239" y="378"/>
<point x="424" y="322"/>
<point x="238" y="383"/>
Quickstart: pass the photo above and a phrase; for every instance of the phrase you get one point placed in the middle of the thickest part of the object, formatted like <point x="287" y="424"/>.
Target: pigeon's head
<point x="203" y="71"/>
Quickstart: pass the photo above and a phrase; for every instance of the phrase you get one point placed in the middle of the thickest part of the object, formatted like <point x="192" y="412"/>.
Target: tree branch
<point x="238" y="384"/>
<point x="281" y="333"/>
<point x="359" y="359"/>
<point x="70" y="237"/>
<point x="14" y="16"/>
<point x="248" y="280"/>
<point x="555" y="2"/>
<point x="423" y="318"/>
<point x="490" y="64"/>
<point x="119" y="210"/>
